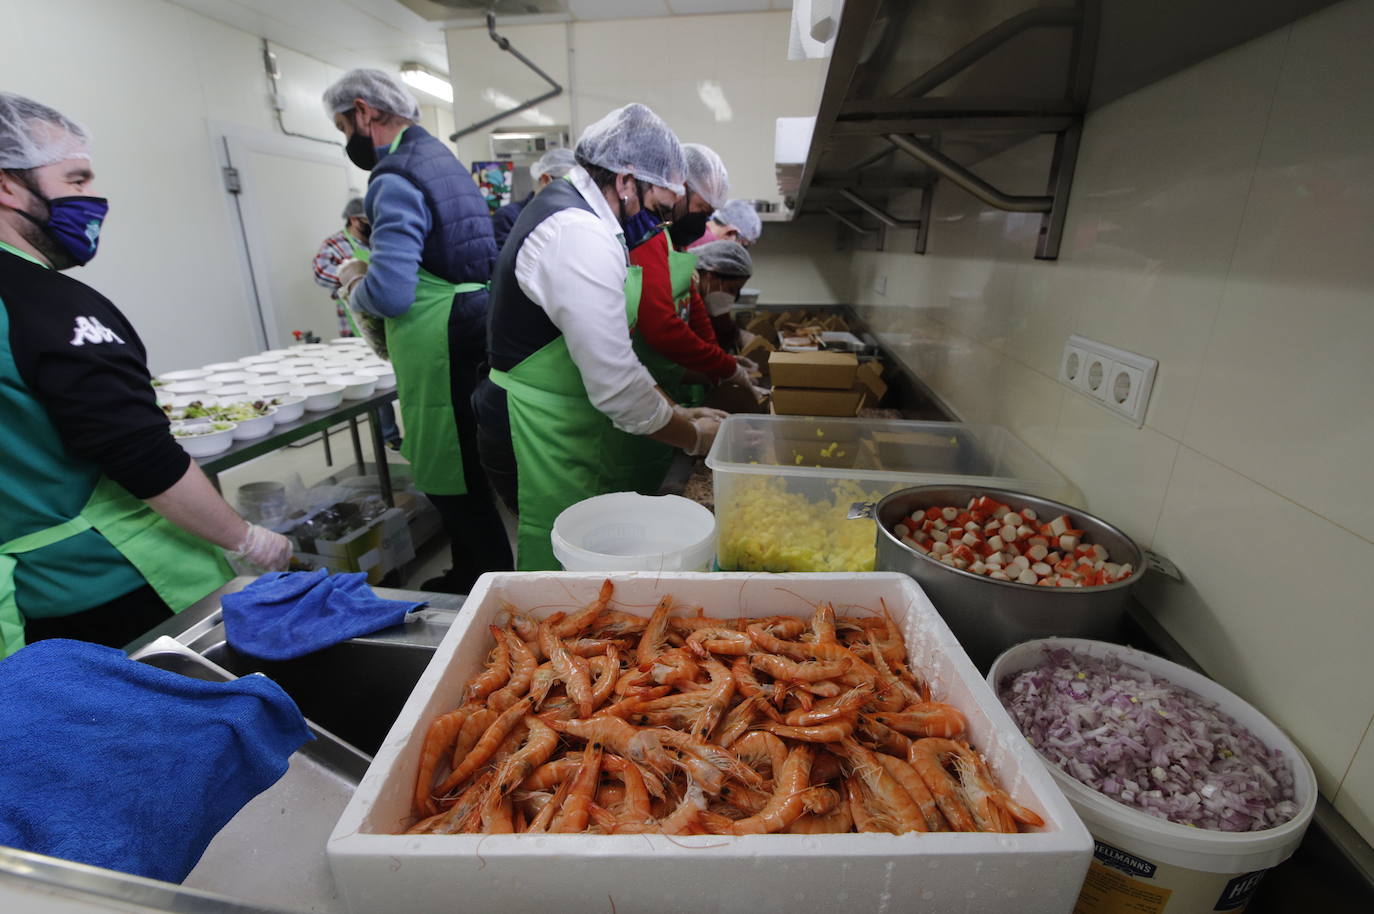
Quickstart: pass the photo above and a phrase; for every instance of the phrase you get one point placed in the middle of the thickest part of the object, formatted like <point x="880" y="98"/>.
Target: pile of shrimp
<point x="606" y="722"/>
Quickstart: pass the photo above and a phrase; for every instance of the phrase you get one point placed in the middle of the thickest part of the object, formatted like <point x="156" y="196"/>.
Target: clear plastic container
<point x="784" y="484"/>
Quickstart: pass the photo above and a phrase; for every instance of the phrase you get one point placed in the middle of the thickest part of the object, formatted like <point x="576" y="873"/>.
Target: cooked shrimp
<point x="722" y="760"/>
<point x="551" y="774"/>
<point x="807" y="671"/>
<point x="826" y="767"/>
<point x="497" y="815"/>
<point x="931" y="718"/>
<point x="438" y="744"/>
<point x="455" y="819"/>
<point x="651" y="641"/>
<point x="837" y="821"/>
<point x="760" y="746"/>
<point x="706" y="641"/>
<point x="487" y="745"/>
<point x="893" y="802"/>
<point x="572" y="670"/>
<point x="911" y="782"/>
<point x="893" y="693"/>
<point x="928" y="758"/>
<point x="819" y="800"/>
<point x="785" y="805"/>
<point x="576" y="810"/>
<point x="716" y="699"/>
<point x="883" y="737"/>
<point x="684" y="819"/>
<point x="616" y="624"/>
<point x="738" y="721"/>
<point x="540" y="823"/>
<point x="540" y="742"/>
<point x="497" y="671"/>
<point x="636" y="810"/>
<point x="672" y="667"/>
<point x="525" y="627"/>
<point x="606" y="670"/>
<point x="473" y="728"/>
<point x="523" y="665"/>
<point x="574" y="625"/>
<point x="843" y="706"/>
<point x="831" y="732"/>
<point x="857" y="801"/>
<point x="593" y="647"/>
<point x="639" y="746"/>
<point x="992" y="807"/>
<point x="749" y="686"/>
<point x="823" y="624"/>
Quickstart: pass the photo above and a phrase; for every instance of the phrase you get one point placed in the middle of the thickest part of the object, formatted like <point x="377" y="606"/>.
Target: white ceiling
<point x="471" y="13"/>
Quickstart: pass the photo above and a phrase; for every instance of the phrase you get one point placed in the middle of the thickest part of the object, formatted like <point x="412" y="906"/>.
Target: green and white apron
<point x="565" y="448"/>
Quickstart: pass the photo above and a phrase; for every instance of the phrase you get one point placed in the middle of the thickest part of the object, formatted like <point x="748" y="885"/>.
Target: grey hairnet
<point x="726" y="258"/>
<point x="742" y="215"/>
<point x="33" y="135"/>
<point x="555" y="163"/>
<point x="634" y="140"/>
<point x="706" y="174"/>
<point x="379" y="89"/>
<point x="353" y="208"/>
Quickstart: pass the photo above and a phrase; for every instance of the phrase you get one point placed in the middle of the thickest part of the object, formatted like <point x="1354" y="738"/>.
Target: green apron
<point x="417" y="342"/>
<point x="181" y="567"/>
<point x="565" y="448"/>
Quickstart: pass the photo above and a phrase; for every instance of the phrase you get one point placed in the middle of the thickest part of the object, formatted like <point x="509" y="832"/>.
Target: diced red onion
<point x="1149" y="744"/>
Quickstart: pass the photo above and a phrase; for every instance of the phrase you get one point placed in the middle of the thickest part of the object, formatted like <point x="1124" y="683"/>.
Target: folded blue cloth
<point x="111" y="762"/>
<point x="290" y="614"/>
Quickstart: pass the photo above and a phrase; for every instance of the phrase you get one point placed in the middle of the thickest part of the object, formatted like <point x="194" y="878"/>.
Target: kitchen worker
<point x="737" y="220"/>
<point x="567" y="398"/>
<point x="673" y="335"/>
<point x="426" y="275"/>
<point x="722" y="269"/>
<point x="551" y="166"/>
<point x="107" y="527"/>
<point x="335" y="249"/>
<point x="710" y="189"/>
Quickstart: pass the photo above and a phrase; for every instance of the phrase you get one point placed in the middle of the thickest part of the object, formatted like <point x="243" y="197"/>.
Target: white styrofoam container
<point x="378" y="871"/>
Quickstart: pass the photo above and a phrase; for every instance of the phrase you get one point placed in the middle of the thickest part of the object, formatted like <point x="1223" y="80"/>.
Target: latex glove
<point x="740" y="377"/>
<point x="706" y="428"/>
<point x="745" y="337"/>
<point x="700" y="412"/>
<point x="762" y="393"/>
<point x="748" y="365"/>
<point x="265" y="549"/>
<point x="351" y="272"/>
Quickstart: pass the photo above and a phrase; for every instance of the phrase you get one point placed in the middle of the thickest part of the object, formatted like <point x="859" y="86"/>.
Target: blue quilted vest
<point x="460" y="246"/>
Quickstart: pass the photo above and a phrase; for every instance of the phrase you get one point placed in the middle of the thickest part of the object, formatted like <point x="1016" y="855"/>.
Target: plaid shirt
<point x="334" y="251"/>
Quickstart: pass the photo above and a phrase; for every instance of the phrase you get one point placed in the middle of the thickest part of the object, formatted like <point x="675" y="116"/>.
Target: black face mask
<point x="688" y="229"/>
<point x="360" y="150"/>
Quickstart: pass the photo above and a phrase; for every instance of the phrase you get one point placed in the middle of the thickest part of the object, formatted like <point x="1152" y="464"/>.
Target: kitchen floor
<point x="303" y="465"/>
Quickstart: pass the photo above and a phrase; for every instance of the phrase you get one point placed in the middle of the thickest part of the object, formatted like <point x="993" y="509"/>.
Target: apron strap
<point x="46" y="537"/>
<point x="11" y="619"/>
<point x="534" y="394"/>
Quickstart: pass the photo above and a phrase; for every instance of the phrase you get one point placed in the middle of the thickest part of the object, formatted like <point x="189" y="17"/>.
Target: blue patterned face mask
<point x="74" y="223"/>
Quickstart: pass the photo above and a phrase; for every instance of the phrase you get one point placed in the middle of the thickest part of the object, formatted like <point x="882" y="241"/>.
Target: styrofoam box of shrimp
<point x="378" y="870"/>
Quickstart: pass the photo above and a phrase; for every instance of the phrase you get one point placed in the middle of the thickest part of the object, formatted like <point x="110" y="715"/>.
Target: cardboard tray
<point x="379" y="871"/>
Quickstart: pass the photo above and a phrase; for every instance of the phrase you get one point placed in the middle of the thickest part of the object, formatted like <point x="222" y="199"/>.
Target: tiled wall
<point x="1222" y="221"/>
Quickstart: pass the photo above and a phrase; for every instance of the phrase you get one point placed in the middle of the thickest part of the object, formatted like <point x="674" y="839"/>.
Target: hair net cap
<point x="742" y="215"/>
<point x="33" y="135"/>
<point x="634" y="140"/>
<point x="379" y="89"/>
<point x="727" y="258"/>
<point x="555" y="163"/>
<point x="353" y="209"/>
<point x="706" y="174"/>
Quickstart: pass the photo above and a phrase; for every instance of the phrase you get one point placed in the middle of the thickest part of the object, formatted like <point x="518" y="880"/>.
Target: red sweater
<point x="692" y="345"/>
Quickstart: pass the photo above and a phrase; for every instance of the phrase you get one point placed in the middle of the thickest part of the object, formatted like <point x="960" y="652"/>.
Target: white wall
<point x="1220" y="222"/>
<point x="664" y="64"/>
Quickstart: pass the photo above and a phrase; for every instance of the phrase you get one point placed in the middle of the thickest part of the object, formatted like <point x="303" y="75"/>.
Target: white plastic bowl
<point x="268" y="391"/>
<point x="309" y="347"/>
<point x="278" y="353"/>
<point x="260" y="359"/>
<point x="187" y="387"/>
<point x="172" y="377"/>
<point x="348" y="341"/>
<point x="355" y="386"/>
<point x="289" y="408"/>
<point x="216" y="367"/>
<point x="625" y="531"/>
<point x="231" y="391"/>
<point x="264" y="366"/>
<point x="208" y="443"/>
<point x="269" y="379"/>
<point x="248" y="429"/>
<point x="294" y="367"/>
<point x="181" y="401"/>
<point x="385" y="375"/>
<point x="323" y="397"/>
<point x="229" y="377"/>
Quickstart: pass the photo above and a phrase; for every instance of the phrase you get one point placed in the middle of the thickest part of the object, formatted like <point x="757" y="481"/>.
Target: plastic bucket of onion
<point x="1190" y="793"/>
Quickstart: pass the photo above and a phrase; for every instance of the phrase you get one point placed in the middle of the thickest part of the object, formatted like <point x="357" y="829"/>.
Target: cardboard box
<point x="802" y="401"/>
<point x="870" y="377"/>
<point x="377" y="870"/>
<point x="760" y="350"/>
<point x="828" y="370"/>
<point x="735" y="398"/>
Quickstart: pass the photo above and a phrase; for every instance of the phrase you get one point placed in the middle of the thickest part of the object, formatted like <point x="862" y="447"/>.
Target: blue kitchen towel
<point x="111" y="762"/>
<point x="289" y="614"/>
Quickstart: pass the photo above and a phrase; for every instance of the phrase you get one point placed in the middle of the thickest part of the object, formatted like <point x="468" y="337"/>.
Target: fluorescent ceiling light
<point x="427" y="82"/>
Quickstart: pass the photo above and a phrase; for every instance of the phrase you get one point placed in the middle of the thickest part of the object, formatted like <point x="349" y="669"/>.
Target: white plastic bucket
<point x="1146" y="864"/>
<point x="625" y="531"/>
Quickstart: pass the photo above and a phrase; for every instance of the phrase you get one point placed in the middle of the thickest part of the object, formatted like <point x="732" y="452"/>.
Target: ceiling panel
<point x="617" y="9"/>
<point x="696" y="7"/>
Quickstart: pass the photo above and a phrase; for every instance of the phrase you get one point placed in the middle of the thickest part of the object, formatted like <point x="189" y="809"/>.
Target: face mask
<point x="74" y="223"/>
<point x="360" y="150"/>
<point x="688" y="229"/>
<point x="718" y="303"/>
<point x="365" y="232"/>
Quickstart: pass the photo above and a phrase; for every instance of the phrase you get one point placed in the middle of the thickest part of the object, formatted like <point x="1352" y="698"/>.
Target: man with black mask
<point x="107" y="527"/>
<point x="426" y="277"/>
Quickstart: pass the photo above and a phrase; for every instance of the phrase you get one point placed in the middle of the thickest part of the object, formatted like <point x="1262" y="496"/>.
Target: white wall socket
<point x="1118" y="380"/>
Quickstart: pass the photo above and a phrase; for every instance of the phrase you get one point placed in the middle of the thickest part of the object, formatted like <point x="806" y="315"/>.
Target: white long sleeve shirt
<point x="573" y="266"/>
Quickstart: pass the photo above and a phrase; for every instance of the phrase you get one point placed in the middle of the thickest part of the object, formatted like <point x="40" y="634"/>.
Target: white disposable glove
<point x="740" y="377"/>
<point x="351" y="272"/>
<point x="265" y="549"/>
<point x="745" y="337"/>
<point x="762" y="393"/>
<point x="706" y="428"/>
<point x="748" y="365"/>
<point x="700" y="412"/>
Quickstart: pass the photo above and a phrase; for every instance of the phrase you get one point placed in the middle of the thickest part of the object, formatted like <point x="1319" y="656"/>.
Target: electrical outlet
<point x="880" y="284"/>
<point x="1119" y="380"/>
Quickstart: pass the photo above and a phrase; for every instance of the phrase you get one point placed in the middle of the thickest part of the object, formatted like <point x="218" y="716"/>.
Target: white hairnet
<point x="634" y="140"/>
<point x="379" y="89"/>
<point x="33" y="135"/>
<point x="555" y="163"/>
<point x="354" y="207"/>
<point x="727" y="258"/>
<point x="706" y="174"/>
<point x="742" y="215"/>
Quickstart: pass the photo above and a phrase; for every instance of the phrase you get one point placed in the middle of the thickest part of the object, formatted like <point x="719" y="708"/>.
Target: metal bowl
<point x="989" y="616"/>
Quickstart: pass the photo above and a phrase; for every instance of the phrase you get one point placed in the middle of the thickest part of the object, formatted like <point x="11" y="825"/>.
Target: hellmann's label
<point x="1120" y="882"/>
